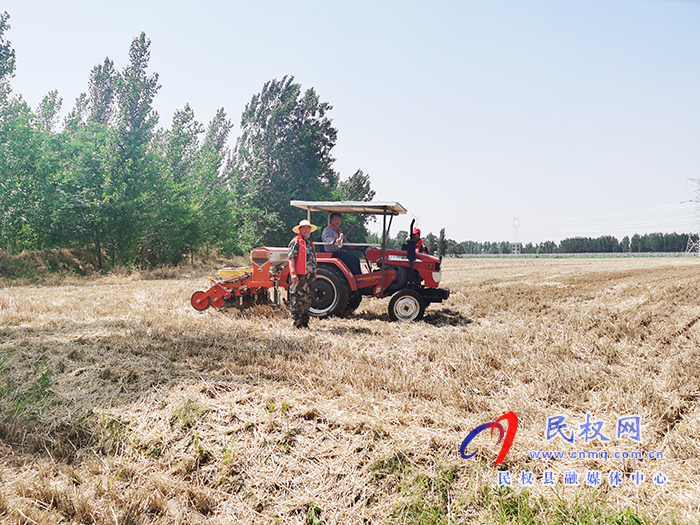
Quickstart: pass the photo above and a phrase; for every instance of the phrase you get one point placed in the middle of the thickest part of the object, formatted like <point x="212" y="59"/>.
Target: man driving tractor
<point x="333" y="235"/>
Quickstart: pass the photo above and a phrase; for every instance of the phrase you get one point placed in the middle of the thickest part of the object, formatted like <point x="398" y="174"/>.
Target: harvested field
<point x="122" y="404"/>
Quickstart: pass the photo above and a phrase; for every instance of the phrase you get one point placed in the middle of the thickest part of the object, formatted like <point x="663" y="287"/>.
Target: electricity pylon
<point x="516" y="247"/>
<point x="694" y="245"/>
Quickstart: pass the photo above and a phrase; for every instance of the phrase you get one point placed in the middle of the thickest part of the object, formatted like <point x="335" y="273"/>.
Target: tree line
<point x="648" y="242"/>
<point x="108" y="179"/>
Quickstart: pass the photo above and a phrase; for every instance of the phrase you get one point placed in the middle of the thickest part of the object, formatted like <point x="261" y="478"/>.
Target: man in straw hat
<point x="302" y="270"/>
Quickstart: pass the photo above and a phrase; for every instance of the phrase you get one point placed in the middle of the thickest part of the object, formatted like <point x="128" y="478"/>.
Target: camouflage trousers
<point x="300" y="300"/>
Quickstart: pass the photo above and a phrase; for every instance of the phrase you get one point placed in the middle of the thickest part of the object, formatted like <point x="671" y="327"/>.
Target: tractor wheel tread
<point x="329" y="280"/>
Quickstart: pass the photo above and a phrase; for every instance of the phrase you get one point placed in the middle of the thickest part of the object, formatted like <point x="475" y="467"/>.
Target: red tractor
<point x="410" y="278"/>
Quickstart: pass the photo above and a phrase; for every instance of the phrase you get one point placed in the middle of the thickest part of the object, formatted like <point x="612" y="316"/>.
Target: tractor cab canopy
<point x="384" y="208"/>
<point x="351" y="207"/>
<point x="390" y="208"/>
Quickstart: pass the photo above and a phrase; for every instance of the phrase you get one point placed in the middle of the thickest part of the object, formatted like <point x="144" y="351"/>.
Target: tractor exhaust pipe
<point x="411" y="247"/>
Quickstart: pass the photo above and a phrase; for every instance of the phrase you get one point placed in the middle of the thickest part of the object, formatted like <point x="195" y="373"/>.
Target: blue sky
<point x="579" y="118"/>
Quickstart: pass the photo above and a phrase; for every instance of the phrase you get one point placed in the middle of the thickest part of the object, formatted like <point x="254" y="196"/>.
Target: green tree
<point x="47" y="113"/>
<point x="635" y="243"/>
<point x="401" y="238"/>
<point x="172" y="228"/>
<point x="7" y="58"/>
<point x="84" y="204"/>
<point x="133" y="176"/>
<point x="88" y="201"/>
<point x="442" y="243"/>
<point x="454" y="248"/>
<point x="198" y="209"/>
<point x="547" y="247"/>
<point x="103" y="192"/>
<point x="676" y="242"/>
<point x="625" y="244"/>
<point x="215" y="195"/>
<point x="283" y="153"/>
<point x="103" y="87"/>
<point x="356" y="188"/>
<point x="432" y="243"/>
<point x="30" y="159"/>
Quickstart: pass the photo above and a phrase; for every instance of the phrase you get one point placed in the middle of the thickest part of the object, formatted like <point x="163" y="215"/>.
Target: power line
<point x="666" y="223"/>
<point x="646" y="211"/>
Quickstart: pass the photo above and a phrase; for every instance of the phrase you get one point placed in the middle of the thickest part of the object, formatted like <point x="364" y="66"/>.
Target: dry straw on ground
<point x="122" y="404"/>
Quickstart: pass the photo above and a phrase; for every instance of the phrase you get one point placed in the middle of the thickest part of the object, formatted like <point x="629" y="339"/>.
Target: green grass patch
<point x="507" y="506"/>
<point x="23" y="396"/>
<point x="428" y="495"/>
<point x="187" y="413"/>
<point x="313" y="516"/>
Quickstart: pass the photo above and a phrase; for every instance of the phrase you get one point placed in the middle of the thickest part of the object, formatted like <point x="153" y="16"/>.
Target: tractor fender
<point x="339" y="264"/>
<point x="284" y="276"/>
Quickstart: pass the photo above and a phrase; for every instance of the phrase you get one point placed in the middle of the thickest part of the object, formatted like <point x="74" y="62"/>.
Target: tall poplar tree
<point x="132" y="174"/>
<point x="283" y="153"/>
<point x="7" y="58"/>
<point x="87" y="199"/>
<point x="175" y="229"/>
<point x="28" y="161"/>
<point x="217" y="202"/>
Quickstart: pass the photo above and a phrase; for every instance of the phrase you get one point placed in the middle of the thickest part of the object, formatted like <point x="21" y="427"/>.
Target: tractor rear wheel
<point x="406" y="305"/>
<point x="329" y="292"/>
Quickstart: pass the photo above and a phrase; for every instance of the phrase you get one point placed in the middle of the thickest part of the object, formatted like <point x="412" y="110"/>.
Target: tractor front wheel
<point x="406" y="305"/>
<point x="329" y="292"/>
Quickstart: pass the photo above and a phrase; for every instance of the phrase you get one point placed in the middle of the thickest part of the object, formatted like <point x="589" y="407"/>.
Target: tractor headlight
<point x="437" y="276"/>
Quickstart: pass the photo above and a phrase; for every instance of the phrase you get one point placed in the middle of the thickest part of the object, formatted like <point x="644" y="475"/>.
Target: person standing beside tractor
<point x="333" y="236"/>
<point x="302" y="272"/>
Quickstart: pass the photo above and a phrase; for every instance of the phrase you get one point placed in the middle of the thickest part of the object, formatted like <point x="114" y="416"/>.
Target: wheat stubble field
<point x="123" y="405"/>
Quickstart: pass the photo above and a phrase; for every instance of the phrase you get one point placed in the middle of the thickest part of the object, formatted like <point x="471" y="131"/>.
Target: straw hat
<point x="304" y="223"/>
